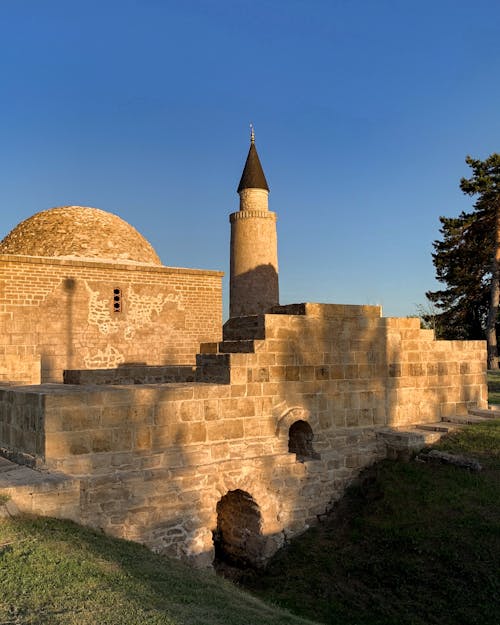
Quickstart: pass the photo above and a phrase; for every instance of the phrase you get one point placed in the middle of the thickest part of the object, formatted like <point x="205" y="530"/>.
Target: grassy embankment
<point x="55" y="572"/>
<point x="414" y="544"/>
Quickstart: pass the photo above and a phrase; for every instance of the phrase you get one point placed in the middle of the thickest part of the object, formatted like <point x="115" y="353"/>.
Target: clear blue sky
<point x="364" y="112"/>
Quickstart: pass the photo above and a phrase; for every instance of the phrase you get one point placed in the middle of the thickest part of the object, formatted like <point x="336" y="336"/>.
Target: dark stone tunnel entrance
<point x="238" y="539"/>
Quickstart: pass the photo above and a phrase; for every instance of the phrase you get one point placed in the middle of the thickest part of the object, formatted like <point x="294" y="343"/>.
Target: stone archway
<point x="238" y="539"/>
<point x="300" y="438"/>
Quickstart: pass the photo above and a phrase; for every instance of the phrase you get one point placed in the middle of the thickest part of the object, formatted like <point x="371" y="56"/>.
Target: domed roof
<point x="79" y="232"/>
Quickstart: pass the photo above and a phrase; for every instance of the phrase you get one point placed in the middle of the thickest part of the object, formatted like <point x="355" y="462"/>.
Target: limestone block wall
<point x="375" y="371"/>
<point x="60" y="314"/>
<point x="154" y="461"/>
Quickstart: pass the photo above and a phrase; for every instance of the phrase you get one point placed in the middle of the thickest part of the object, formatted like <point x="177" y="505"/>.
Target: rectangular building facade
<point x="71" y="314"/>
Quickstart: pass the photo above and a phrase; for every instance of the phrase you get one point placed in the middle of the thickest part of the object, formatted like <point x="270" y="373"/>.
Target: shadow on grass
<point x="411" y="543"/>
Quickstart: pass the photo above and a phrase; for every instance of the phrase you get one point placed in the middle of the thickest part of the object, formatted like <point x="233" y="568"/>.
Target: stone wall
<point x="155" y="460"/>
<point x="375" y="370"/>
<point x="60" y="314"/>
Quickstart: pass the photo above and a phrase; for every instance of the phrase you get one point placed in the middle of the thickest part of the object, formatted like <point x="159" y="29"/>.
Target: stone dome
<point x="79" y="233"/>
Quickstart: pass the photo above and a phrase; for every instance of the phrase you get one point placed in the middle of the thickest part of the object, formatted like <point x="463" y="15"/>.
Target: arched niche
<point x="300" y="441"/>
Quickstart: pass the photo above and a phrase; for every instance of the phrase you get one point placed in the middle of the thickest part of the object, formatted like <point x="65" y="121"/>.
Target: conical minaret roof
<point x="253" y="174"/>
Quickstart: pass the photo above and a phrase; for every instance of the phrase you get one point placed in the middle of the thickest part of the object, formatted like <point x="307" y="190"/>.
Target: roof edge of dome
<point x="56" y="233"/>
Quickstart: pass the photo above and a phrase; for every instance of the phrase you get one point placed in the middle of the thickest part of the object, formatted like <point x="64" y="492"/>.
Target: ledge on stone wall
<point x="105" y="264"/>
<point x="327" y="310"/>
<point x="131" y="374"/>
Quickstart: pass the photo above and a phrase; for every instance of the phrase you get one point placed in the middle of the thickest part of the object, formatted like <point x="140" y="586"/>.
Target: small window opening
<point x="300" y="439"/>
<point x="117" y="300"/>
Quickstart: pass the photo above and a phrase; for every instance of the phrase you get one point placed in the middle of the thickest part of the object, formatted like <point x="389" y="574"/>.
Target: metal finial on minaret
<point x="252" y="176"/>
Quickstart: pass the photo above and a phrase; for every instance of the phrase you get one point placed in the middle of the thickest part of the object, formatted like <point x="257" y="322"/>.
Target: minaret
<point x="254" y="247"/>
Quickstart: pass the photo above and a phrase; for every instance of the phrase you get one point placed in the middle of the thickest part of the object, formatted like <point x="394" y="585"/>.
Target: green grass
<point x="55" y="572"/>
<point x="494" y="387"/>
<point x="412" y="544"/>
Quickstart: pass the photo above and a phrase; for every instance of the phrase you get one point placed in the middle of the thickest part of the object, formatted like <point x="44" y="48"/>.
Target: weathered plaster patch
<point x="99" y="314"/>
<point x="140" y="309"/>
<point x="106" y="358"/>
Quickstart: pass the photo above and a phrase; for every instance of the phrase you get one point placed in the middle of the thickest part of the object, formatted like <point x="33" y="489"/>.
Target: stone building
<point x="138" y="414"/>
<point x="82" y="289"/>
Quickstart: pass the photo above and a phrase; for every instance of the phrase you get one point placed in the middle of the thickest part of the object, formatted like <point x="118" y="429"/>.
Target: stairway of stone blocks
<point x="409" y="440"/>
<point x="239" y="336"/>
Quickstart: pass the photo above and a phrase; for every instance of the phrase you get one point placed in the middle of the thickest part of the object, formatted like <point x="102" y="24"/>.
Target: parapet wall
<point x="370" y="370"/>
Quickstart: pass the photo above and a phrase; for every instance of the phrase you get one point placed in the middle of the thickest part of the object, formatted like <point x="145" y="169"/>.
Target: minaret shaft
<point x="254" y="250"/>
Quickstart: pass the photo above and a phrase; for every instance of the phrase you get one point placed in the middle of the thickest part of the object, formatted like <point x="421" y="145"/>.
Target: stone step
<point x="237" y="347"/>
<point x="439" y="426"/>
<point x="469" y="419"/>
<point x="433" y="432"/>
<point x="402" y="443"/>
<point x="209" y="348"/>
<point x="488" y="413"/>
<point x="432" y="436"/>
<point x="33" y="492"/>
<point x="289" y="309"/>
<point x="244" y="328"/>
<point x="213" y="368"/>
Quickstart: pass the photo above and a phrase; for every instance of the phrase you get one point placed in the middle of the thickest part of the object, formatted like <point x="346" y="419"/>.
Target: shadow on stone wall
<point x="342" y="376"/>
<point x="69" y="285"/>
<point x="254" y="292"/>
<point x="156" y="461"/>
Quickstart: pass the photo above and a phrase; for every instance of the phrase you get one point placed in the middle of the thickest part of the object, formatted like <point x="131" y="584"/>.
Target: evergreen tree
<point x="485" y="183"/>
<point x="467" y="261"/>
<point x="461" y="260"/>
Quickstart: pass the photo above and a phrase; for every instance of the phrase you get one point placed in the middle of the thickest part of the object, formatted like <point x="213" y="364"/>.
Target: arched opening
<point x="238" y="539"/>
<point x="300" y="438"/>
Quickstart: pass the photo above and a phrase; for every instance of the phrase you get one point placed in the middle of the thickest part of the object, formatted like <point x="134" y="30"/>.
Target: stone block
<point x="265" y="359"/>
<point x="191" y="410"/>
<point x="287" y="359"/>
<point x="238" y="375"/>
<point x="84" y="418"/>
<point x="121" y="439"/>
<point x="277" y="373"/>
<point x="226" y="430"/>
<point x="220" y="451"/>
<point x="104" y="440"/>
<point x="238" y="390"/>
<point x="292" y="373"/>
<point x="210" y="409"/>
<point x="167" y="413"/>
<point x="59" y="445"/>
